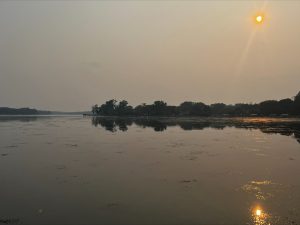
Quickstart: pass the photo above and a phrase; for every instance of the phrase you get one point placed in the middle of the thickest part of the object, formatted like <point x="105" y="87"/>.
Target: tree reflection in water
<point x="285" y="127"/>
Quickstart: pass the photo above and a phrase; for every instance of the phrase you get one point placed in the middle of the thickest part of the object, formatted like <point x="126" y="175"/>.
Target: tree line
<point x="284" y="107"/>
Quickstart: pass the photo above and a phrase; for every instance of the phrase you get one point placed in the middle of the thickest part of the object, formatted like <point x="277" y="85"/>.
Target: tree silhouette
<point x="297" y="104"/>
<point x="283" y="107"/>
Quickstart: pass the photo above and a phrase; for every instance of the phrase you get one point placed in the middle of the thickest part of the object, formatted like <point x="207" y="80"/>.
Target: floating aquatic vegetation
<point x="9" y="221"/>
<point x="72" y="145"/>
<point x="188" y="181"/>
<point x="11" y="146"/>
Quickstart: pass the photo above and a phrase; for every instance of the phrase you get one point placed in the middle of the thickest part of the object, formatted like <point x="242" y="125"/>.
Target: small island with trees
<point x="283" y="108"/>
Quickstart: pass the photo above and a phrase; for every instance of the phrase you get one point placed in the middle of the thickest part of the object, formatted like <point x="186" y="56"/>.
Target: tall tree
<point x="297" y="104"/>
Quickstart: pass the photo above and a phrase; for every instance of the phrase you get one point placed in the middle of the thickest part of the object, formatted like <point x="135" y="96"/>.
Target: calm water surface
<point x="74" y="170"/>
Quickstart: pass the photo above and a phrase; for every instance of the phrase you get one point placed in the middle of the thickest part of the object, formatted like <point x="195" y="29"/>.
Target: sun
<point x="259" y="18"/>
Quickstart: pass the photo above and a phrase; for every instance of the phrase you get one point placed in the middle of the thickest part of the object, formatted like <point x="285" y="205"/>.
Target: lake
<point x="84" y="170"/>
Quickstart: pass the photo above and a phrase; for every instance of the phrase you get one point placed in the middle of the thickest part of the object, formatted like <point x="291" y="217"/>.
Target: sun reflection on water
<point x="258" y="212"/>
<point x="260" y="216"/>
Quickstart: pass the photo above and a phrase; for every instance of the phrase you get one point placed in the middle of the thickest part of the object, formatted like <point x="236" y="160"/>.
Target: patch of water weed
<point x="11" y="146"/>
<point x="188" y="181"/>
<point x="71" y="145"/>
<point x="9" y="221"/>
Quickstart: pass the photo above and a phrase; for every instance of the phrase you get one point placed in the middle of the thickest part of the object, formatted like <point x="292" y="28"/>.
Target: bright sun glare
<point x="259" y="19"/>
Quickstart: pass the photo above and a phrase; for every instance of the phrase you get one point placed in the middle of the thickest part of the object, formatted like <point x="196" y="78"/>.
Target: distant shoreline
<point x="6" y="111"/>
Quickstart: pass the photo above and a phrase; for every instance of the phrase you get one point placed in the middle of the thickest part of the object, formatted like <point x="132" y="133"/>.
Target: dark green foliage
<point x="109" y="108"/>
<point x="269" y="107"/>
<point x="123" y="108"/>
<point x="194" y="109"/>
<point x="283" y="107"/>
<point x="297" y="104"/>
<point x="217" y="108"/>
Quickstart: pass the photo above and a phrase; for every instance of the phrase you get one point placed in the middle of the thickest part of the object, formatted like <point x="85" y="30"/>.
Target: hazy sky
<point x="65" y="55"/>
